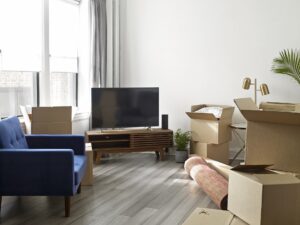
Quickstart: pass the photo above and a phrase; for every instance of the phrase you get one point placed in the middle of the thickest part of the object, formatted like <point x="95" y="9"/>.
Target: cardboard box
<point x="272" y="137"/>
<point x="218" y="152"/>
<point x="52" y="120"/>
<point x="279" y="106"/>
<point x="206" y="128"/>
<point x="202" y="216"/>
<point x="264" y="198"/>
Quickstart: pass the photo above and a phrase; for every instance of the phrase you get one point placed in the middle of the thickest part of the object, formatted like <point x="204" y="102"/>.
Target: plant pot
<point x="181" y="156"/>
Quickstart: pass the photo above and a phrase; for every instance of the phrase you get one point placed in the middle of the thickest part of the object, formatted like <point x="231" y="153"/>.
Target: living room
<point x="74" y="69"/>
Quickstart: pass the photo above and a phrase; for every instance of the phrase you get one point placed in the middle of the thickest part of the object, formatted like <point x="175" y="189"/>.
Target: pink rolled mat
<point x="211" y="182"/>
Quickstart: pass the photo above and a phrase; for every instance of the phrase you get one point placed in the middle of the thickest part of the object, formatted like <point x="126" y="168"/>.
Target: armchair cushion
<point x="11" y="134"/>
<point x="79" y="168"/>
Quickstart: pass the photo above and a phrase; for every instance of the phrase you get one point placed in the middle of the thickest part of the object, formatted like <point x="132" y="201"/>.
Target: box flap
<point x="202" y="116"/>
<point x="27" y="120"/>
<point x="289" y="118"/>
<point x="250" y="168"/>
<point x="245" y="104"/>
<point x="227" y="112"/>
<point x="237" y="221"/>
<point x="197" y="107"/>
<point x="202" y="216"/>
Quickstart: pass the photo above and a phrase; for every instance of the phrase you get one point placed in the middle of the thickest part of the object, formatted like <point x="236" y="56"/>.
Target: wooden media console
<point x="130" y="140"/>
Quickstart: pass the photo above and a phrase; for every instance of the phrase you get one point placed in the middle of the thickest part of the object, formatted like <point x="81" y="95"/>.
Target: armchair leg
<point x="79" y="189"/>
<point x="67" y="206"/>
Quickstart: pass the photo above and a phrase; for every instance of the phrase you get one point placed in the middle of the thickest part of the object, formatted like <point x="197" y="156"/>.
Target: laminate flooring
<point x="129" y="189"/>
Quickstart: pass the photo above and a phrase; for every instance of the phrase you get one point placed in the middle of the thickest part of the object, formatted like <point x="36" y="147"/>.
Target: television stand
<point x="131" y="140"/>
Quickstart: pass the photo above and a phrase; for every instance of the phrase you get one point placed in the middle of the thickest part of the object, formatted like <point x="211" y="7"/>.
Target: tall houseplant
<point x="288" y="63"/>
<point x="182" y="140"/>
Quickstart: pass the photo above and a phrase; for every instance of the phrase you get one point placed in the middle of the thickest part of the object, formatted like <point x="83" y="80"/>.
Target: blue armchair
<point x="40" y="165"/>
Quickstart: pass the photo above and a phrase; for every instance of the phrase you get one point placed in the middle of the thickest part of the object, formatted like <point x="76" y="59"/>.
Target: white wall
<point x="198" y="51"/>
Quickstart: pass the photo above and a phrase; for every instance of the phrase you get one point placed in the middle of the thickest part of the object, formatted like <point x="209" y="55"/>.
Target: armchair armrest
<point x="36" y="172"/>
<point x="75" y="142"/>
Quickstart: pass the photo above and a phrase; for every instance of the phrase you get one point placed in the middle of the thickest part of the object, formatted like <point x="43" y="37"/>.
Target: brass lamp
<point x="263" y="87"/>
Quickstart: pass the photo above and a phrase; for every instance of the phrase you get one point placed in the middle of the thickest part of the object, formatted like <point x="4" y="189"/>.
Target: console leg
<point x="98" y="158"/>
<point x="67" y="206"/>
<point x="157" y="154"/>
<point x="162" y="155"/>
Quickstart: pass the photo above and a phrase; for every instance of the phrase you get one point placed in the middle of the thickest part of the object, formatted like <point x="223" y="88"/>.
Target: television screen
<point x="125" y="107"/>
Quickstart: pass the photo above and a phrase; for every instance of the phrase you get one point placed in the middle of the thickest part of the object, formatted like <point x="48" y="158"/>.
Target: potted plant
<point x="182" y="140"/>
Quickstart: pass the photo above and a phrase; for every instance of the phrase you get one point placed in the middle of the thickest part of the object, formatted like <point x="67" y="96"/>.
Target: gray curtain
<point x="98" y="43"/>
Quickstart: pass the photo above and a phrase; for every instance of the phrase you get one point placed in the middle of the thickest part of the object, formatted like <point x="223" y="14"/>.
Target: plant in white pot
<point x="182" y="140"/>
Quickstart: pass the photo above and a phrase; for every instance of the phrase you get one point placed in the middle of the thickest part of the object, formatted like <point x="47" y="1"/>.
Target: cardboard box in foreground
<point x="264" y="198"/>
<point x="272" y="137"/>
<point x="206" y="128"/>
<point x="202" y="216"/>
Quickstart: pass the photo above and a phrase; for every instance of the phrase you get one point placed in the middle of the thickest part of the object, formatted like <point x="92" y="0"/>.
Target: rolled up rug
<point x="211" y="182"/>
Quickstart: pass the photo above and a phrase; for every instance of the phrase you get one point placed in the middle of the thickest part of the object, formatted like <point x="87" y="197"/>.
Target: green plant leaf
<point x="288" y="64"/>
<point x="182" y="139"/>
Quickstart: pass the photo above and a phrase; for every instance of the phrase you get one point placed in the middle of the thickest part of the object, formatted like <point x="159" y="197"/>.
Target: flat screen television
<point x="125" y="107"/>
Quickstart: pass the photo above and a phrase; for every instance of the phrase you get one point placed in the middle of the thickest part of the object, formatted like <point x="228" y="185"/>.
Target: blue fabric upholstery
<point x="79" y="168"/>
<point x="47" y="165"/>
<point x="27" y="172"/>
<point x="11" y="134"/>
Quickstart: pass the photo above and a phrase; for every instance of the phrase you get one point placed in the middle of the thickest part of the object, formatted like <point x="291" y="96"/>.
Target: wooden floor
<point x="130" y="189"/>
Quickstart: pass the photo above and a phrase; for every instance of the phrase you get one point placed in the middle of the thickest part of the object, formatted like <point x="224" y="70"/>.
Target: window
<point x="63" y="40"/>
<point x="20" y="51"/>
<point x="23" y="51"/>
<point x="20" y="35"/>
<point x="17" y="88"/>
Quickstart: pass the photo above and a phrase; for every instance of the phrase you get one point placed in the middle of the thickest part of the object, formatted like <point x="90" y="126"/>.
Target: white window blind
<point x="20" y="35"/>
<point x="63" y="31"/>
<point x="63" y="40"/>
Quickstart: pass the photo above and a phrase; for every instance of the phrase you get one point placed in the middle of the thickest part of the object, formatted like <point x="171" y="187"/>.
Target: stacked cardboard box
<point x="210" y="134"/>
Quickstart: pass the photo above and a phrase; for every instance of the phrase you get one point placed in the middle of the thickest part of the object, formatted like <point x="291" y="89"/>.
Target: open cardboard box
<point x="202" y="216"/>
<point x="218" y="152"/>
<point x="272" y="137"/>
<point x="52" y="120"/>
<point x="264" y="197"/>
<point x="206" y="128"/>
